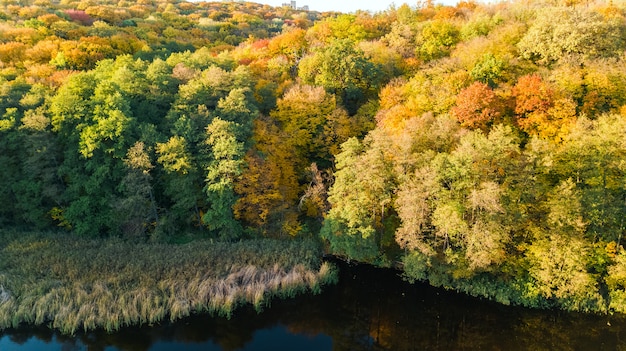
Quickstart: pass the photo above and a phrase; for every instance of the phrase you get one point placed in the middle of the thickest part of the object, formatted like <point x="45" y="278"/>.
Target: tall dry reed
<point x="77" y="284"/>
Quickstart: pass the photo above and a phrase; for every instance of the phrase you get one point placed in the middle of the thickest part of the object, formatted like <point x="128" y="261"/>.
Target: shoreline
<point x="74" y="284"/>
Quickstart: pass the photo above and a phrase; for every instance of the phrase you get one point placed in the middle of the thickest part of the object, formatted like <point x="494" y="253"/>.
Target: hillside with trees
<point x="480" y="147"/>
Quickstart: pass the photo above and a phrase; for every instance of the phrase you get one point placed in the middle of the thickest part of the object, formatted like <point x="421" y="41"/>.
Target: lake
<point x="370" y="309"/>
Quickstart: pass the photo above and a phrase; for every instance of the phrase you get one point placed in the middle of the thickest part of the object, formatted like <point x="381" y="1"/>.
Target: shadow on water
<point x="370" y="309"/>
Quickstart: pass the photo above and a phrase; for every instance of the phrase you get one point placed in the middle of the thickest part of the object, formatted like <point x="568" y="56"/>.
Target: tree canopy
<point x="478" y="146"/>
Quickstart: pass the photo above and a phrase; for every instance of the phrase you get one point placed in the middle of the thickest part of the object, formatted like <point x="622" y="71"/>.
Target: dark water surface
<point x="370" y="309"/>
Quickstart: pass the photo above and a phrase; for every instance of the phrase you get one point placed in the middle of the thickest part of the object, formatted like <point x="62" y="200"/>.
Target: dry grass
<point x="77" y="284"/>
<point x="5" y="295"/>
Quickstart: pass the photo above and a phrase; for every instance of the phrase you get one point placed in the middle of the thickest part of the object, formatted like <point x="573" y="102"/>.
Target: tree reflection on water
<point x="370" y="309"/>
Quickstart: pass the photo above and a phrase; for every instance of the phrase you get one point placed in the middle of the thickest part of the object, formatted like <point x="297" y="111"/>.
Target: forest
<point x="479" y="147"/>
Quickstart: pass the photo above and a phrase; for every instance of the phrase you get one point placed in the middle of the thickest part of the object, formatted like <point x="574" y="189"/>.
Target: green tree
<point x="361" y="199"/>
<point x="180" y="181"/>
<point x="93" y="120"/>
<point x="468" y="216"/>
<point x="238" y="107"/>
<point x="9" y="171"/>
<point x="39" y="188"/>
<point x="343" y="70"/>
<point x="136" y="207"/>
<point x="222" y="172"/>
<point x="488" y="70"/>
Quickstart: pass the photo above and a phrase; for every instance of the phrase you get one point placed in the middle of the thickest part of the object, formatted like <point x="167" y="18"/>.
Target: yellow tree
<point x="571" y="32"/>
<point x="268" y="187"/>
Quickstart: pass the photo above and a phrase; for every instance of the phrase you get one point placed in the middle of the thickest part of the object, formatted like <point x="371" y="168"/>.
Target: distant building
<point x="292" y="5"/>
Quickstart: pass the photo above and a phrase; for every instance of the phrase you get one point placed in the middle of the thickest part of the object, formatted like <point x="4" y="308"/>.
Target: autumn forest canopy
<point x="482" y="146"/>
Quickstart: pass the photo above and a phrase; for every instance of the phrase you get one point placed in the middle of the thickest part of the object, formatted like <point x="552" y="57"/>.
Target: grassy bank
<point x="81" y="284"/>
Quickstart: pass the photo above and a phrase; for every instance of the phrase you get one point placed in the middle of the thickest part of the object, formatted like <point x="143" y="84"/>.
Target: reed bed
<point x="75" y="284"/>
